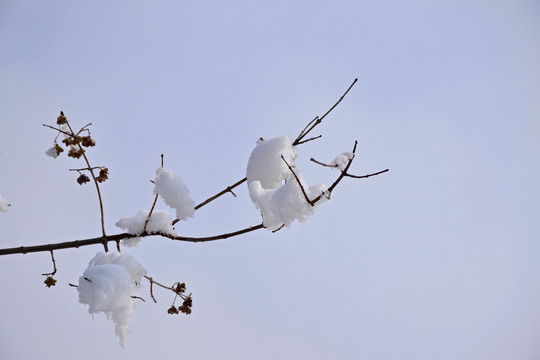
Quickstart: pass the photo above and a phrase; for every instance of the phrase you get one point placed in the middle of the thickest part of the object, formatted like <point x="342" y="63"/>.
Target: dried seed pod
<point x="83" y="179"/>
<point x="72" y="140"/>
<point x="103" y="175"/>
<point x="49" y="281"/>
<point x="186" y="310"/>
<point x="75" y="152"/>
<point x="61" y="120"/>
<point x="180" y="288"/>
<point x="88" y="141"/>
<point x="173" y="310"/>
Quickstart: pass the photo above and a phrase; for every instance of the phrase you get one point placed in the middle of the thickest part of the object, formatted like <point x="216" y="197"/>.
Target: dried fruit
<point x="49" y="281"/>
<point x="188" y="302"/>
<point x="75" y="152"/>
<point x="72" y="140"/>
<point x="83" y="179"/>
<point x="54" y="151"/>
<point x="180" y="288"/>
<point x="186" y="310"/>
<point x="173" y="310"/>
<point x="88" y="141"/>
<point x="58" y="148"/>
<point x="61" y="119"/>
<point x="186" y="306"/>
<point x="103" y="175"/>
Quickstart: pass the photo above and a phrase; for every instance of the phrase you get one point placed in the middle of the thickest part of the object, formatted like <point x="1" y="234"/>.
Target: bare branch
<point x="318" y="120"/>
<point x="153" y="204"/>
<point x="224" y="191"/>
<point x="310" y="139"/>
<point x="368" y="175"/>
<point x="323" y="164"/>
<point x="54" y="266"/>
<point x="103" y="240"/>
<point x="57" y="129"/>
<point x="97" y="188"/>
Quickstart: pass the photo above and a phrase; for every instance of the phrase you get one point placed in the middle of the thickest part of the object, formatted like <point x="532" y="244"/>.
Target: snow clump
<point x="341" y="161"/>
<point x="266" y="165"/>
<point x="52" y="152"/>
<point x="3" y="205"/>
<point x="273" y="188"/>
<point x="160" y="221"/>
<point x="107" y="286"/>
<point x="172" y="190"/>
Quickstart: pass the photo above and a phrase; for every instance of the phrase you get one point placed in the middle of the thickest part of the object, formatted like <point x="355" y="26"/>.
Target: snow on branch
<point x="111" y="283"/>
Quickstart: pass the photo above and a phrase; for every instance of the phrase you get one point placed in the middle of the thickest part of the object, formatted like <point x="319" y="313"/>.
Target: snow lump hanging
<point x="273" y="188"/>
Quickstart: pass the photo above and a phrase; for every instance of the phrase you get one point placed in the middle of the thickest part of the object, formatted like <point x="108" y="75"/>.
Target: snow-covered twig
<point x="298" y="141"/>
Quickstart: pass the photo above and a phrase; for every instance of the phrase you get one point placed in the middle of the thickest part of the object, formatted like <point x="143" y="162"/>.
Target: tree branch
<point x="298" y="141"/>
<point x="105" y="239"/>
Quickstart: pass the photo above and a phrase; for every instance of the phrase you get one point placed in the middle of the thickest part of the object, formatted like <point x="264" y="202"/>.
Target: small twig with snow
<point x="323" y="164"/>
<point x="298" y="180"/>
<point x="153" y="204"/>
<point x="298" y="141"/>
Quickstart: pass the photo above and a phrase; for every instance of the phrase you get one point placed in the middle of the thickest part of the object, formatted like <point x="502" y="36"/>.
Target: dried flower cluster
<point x="50" y="281"/>
<point x="76" y="143"/>
<point x="180" y="289"/>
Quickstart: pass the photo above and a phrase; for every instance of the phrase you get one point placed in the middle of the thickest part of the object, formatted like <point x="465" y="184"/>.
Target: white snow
<point x="285" y="204"/>
<point x="265" y="163"/>
<point x="107" y="286"/>
<point x="274" y="189"/>
<point x="342" y="160"/>
<point x="52" y="152"/>
<point x="160" y="221"/>
<point x="3" y="205"/>
<point x="172" y="190"/>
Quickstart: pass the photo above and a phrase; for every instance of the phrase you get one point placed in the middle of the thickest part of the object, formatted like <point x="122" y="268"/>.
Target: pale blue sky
<point x="437" y="259"/>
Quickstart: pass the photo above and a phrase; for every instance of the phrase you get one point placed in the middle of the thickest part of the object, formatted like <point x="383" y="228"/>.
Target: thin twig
<point x="323" y="164"/>
<point x="224" y="191"/>
<point x="310" y="139"/>
<point x="93" y="177"/>
<point x="344" y="171"/>
<point x="153" y="204"/>
<point x="84" y="128"/>
<point x="59" y="130"/>
<point x="368" y="175"/>
<point x="317" y="120"/>
<point x="151" y="288"/>
<point x="54" y="266"/>
<point x="92" y="168"/>
<point x="298" y="180"/>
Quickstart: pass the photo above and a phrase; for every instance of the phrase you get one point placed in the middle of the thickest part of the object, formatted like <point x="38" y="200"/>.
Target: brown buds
<point x="103" y="175"/>
<point x="186" y="306"/>
<point x="88" y="141"/>
<point x="72" y="140"/>
<point x="49" y="281"/>
<point x="61" y="119"/>
<point x="75" y="152"/>
<point x="180" y="288"/>
<point x="83" y="179"/>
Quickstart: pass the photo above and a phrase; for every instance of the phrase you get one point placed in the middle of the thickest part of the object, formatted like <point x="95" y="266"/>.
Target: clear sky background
<point x="437" y="259"/>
